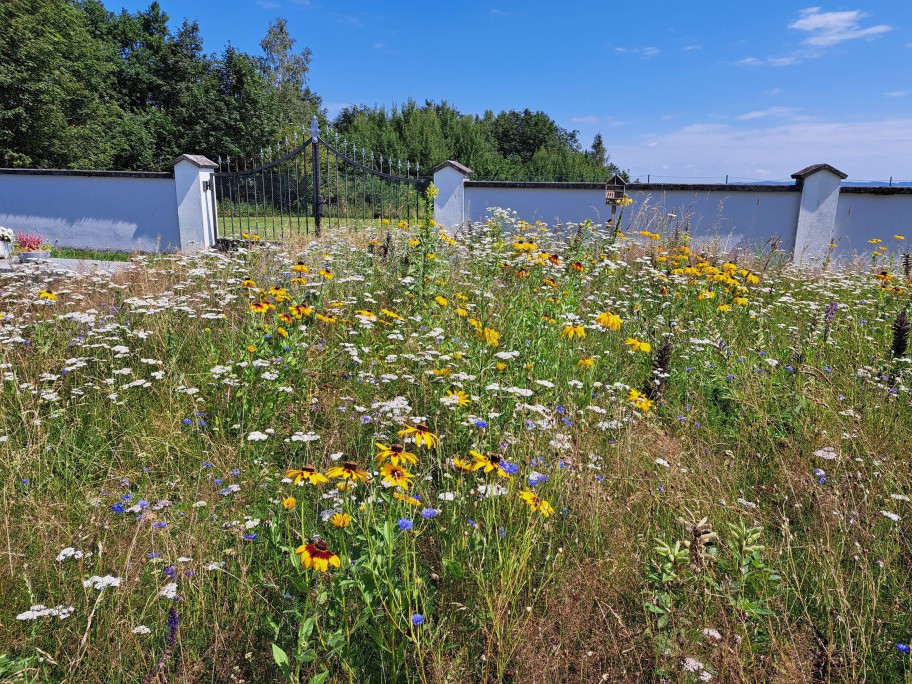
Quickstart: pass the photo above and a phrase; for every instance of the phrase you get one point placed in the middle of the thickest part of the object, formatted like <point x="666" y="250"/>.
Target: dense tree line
<point x="85" y="87"/>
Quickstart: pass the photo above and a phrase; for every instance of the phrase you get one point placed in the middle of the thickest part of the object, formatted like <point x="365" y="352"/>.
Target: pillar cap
<point x="799" y="176"/>
<point x="464" y="170"/>
<point x="197" y="160"/>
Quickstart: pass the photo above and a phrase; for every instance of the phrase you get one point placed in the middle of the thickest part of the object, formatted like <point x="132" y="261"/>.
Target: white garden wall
<point x="803" y="218"/>
<point x="865" y="213"/>
<point x="109" y="210"/>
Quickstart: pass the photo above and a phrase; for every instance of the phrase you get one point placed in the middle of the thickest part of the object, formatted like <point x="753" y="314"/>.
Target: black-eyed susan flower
<point x="571" y="331"/>
<point x="395" y="454"/>
<point x="396" y="476"/>
<point x="639" y="400"/>
<point x="390" y="314"/>
<point x="341" y="520"/>
<point x="606" y="319"/>
<point x="306" y="473"/>
<point x="248" y="282"/>
<point x="48" y="295"/>
<point x="536" y="503"/>
<point x="327" y="273"/>
<point x="348" y="471"/>
<point x="300" y="311"/>
<point x="587" y="362"/>
<point x="638" y="345"/>
<point x="261" y="307"/>
<point x="317" y="555"/>
<point x="462" y="464"/>
<point x="421" y="433"/>
<point x="300" y="267"/>
<point x="441" y="301"/>
<point x="289" y="502"/>
<point x="491" y="336"/>
<point x="489" y="463"/>
<point x="457" y="398"/>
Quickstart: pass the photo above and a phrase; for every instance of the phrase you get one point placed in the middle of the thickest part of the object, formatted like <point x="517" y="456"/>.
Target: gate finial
<point x="314" y="129"/>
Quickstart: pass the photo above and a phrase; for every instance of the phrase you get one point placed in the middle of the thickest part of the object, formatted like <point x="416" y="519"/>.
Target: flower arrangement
<point x="6" y="234"/>
<point x="29" y="242"/>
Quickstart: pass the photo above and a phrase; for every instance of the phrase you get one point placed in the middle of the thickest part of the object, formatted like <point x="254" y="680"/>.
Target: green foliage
<point x="83" y="87"/>
<point x="511" y="145"/>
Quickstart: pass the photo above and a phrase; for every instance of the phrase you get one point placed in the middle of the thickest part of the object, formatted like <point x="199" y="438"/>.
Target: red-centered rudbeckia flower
<point x="308" y="473"/>
<point x="421" y="433"/>
<point x="317" y="556"/>
<point x="348" y="470"/>
<point x="395" y="454"/>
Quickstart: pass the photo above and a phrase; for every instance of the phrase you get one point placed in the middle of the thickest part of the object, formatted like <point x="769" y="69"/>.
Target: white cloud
<point x="645" y="52"/>
<point x="592" y="120"/>
<point x="896" y="93"/>
<point x="863" y="149"/>
<point x="774" y="91"/>
<point x="769" y="111"/>
<point x="831" y="28"/>
<point x="787" y="60"/>
<point x="691" y="48"/>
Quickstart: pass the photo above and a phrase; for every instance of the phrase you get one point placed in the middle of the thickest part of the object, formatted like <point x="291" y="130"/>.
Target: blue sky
<point x="677" y="89"/>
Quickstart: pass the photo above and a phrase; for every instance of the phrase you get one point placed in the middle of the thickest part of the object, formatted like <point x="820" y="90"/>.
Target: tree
<point x="599" y="154"/>
<point x="286" y="72"/>
<point x="56" y="108"/>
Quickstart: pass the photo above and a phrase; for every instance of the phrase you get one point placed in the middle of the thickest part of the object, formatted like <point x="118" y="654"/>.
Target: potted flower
<point x="31" y="247"/>
<point x="6" y="242"/>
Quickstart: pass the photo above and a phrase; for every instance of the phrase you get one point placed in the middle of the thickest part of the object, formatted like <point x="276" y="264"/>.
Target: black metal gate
<point x="295" y="188"/>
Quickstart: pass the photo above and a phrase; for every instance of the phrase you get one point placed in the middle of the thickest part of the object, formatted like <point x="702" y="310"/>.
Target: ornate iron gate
<point x="296" y="187"/>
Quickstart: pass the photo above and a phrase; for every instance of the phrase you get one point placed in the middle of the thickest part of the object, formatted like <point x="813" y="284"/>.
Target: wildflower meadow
<point x="514" y="453"/>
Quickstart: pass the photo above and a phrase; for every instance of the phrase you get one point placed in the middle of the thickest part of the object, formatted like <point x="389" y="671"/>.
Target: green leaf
<point x="320" y="678"/>
<point x="453" y="568"/>
<point x="281" y="659"/>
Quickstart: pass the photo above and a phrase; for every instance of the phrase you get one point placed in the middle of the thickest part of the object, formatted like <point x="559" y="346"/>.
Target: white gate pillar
<point x="194" y="185"/>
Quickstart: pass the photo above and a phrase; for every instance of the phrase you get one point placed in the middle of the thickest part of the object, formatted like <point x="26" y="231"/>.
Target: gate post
<point x="819" y="185"/>
<point x="318" y="200"/>
<point x="449" y="205"/>
<point x="195" y="190"/>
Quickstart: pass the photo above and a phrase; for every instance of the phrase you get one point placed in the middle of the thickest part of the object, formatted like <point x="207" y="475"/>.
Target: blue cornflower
<point x="902" y="648"/>
<point x="234" y="472"/>
<point x="170" y="571"/>
<point x="501" y="532"/>
<point x="160" y="525"/>
<point x="125" y="497"/>
<point x="118" y="508"/>
<point x="404" y="524"/>
<point x="509" y="468"/>
<point x="206" y="464"/>
<point x="428" y="513"/>
<point x="250" y="537"/>
<point x="143" y="504"/>
<point x="187" y="421"/>
<point x="417" y="619"/>
<point x="820" y="475"/>
<point x="536" y="479"/>
<point x="560" y="409"/>
<point x="481" y="423"/>
<point x="472" y="523"/>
